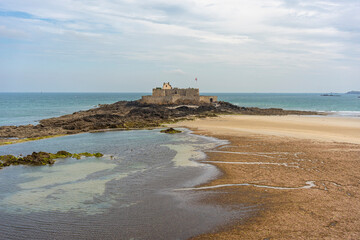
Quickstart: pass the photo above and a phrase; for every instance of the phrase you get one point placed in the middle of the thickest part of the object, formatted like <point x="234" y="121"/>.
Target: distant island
<point x="166" y="105"/>
<point x="353" y="92"/>
<point x="330" y="95"/>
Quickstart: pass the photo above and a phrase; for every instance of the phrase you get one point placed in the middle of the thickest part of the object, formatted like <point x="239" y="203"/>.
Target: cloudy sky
<point x="134" y="45"/>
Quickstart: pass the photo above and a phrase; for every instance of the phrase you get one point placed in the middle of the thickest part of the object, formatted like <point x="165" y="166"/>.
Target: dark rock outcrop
<point x="170" y="131"/>
<point x="130" y="115"/>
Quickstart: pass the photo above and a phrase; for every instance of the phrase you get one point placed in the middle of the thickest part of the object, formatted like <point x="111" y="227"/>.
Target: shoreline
<point x="303" y="186"/>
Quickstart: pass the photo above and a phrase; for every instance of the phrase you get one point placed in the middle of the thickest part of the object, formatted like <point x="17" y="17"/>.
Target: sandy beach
<point x="301" y="173"/>
<point x="330" y="129"/>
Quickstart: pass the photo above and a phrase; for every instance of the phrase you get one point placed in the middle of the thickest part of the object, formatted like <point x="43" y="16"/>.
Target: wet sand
<point x="302" y="173"/>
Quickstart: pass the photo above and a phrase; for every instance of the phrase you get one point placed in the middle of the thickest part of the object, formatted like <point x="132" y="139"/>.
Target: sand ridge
<point x="333" y="129"/>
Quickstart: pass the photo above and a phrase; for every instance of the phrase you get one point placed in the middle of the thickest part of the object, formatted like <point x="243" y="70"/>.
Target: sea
<point x="29" y="108"/>
<point x="138" y="189"/>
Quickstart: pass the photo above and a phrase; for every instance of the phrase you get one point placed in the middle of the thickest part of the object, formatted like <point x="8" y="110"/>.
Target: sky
<point x="135" y="45"/>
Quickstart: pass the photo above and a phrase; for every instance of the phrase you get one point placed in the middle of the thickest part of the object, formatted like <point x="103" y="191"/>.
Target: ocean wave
<point x="344" y="113"/>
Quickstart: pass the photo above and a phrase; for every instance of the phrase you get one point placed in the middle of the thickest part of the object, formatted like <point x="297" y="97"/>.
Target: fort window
<point x="211" y="100"/>
<point x="166" y="86"/>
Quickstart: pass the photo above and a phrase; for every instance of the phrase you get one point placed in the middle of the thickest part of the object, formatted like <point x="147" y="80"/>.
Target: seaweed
<point x="42" y="158"/>
<point x="170" y="131"/>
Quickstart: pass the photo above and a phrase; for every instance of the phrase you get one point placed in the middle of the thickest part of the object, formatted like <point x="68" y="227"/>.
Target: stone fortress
<point x="169" y="95"/>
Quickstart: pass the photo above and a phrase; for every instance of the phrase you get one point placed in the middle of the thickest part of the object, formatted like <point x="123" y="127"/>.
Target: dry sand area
<point x="299" y="176"/>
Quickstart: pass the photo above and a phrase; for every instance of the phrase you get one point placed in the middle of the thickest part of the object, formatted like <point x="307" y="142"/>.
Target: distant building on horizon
<point x="169" y="95"/>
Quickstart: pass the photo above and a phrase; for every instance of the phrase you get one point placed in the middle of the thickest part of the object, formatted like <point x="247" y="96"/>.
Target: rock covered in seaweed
<point x="42" y="158"/>
<point x="170" y="131"/>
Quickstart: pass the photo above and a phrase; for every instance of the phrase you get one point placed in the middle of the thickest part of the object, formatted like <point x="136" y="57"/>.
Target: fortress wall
<point x="189" y="92"/>
<point x="175" y="98"/>
<point x="155" y="100"/>
<point x="192" y="99"/>
<point x="156" y="92"/>
<point x="169" y="92"/>
<point x="208" y="99"/>
<point x="169" y="99"/>
<point x="177" y="95"/>
<point x="182" y="92"/>
<point x="193" y="92"/>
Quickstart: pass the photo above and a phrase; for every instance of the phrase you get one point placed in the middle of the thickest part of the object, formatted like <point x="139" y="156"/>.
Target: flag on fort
<point x="196" y="79"/>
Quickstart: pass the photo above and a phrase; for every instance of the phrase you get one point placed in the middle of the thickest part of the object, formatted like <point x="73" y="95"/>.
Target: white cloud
<point x="270" y="34"/>
<point x="11" y="33"/>
<point x="176" y="71"/>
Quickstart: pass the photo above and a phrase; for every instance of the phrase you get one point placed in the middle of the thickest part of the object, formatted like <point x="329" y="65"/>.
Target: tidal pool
<point x="130" y="193"/>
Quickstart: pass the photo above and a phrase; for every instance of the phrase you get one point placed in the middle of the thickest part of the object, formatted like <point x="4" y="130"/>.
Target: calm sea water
<point x="28" y="108"/>
<point x="132" y="195"/>
<point x="345" y="104"/>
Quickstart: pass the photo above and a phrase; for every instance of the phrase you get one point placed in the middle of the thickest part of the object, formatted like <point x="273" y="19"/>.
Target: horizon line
<point x="200" y="92"/>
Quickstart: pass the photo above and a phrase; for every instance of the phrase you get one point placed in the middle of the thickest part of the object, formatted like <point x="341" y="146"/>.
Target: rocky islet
<point x="129" y="115"/>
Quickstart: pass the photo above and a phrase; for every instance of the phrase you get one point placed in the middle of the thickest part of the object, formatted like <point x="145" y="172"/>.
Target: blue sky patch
<point x="16" y="14"/>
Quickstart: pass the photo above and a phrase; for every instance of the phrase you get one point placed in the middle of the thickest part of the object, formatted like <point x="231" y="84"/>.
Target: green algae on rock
<point x="42" y="158"/>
